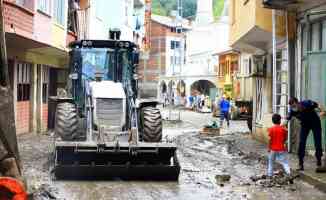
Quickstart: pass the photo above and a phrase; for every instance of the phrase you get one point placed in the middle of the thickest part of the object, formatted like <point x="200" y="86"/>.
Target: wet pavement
<point x="212" y="168"/>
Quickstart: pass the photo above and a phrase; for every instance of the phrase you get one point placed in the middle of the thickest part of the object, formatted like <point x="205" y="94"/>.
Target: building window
<point x="175" y="44"/>
<point x="45" y="85"/>
<point x="59" y="11"/>
<point x="259" y="100"/>
<point x="304" y="40"/>
<point x="172" y="60"/>
<point x="178" y="60"/>
<point x="20" y="2"/>
<point x="44" y="6"/>
<point x="324" y="35"/>
<point x="247" y="68"/>
<point x="23" y="81"/>
<point x="315" y="37"/>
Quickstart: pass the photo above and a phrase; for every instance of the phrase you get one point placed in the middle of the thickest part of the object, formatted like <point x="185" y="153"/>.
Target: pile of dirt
<point x="45" y="192"/>
<point x="278" y="180"/>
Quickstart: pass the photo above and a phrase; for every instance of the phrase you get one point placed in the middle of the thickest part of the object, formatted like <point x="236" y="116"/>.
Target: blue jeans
<point x="224" y="115"/>
<point x="282" y="158"/>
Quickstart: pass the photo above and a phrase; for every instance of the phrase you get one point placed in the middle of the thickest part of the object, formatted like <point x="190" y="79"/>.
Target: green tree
<point x="218" y="6"/>
<point x="164" y="7"/>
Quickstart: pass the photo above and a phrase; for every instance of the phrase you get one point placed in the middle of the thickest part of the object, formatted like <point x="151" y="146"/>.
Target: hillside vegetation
<point x="164" y="7"/>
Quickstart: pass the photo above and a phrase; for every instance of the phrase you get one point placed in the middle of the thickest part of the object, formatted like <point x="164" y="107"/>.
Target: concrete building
<point x="307" y="53"/>
<point x="252" y="36"/>
<point x="202" y="64"/>
<point x="99" y="16"/>
<point x="36" y="36"/>
<point x="165" y="56"/>
<point x="228" y="71"/>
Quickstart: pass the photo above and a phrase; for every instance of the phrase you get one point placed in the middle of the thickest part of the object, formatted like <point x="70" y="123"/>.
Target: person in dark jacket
<point x="305" y="111"/>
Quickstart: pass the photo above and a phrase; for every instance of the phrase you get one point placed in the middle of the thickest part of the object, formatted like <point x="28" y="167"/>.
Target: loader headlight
<point x="136" y="77"/>
<point x="87" y="43"/>
<point x="121" y="44"/>
<point x="127" y="45"/>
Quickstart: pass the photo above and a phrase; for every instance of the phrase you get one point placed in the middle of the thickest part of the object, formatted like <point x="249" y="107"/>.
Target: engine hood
<point x="107" y="89"/>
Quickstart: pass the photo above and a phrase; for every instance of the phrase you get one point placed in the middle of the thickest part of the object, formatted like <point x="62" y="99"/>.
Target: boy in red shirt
<point x="277" y="150"/>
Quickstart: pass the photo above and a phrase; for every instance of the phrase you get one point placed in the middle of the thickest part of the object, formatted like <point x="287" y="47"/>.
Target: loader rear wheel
<point x="66" y="121"/>
<point x="151" y="124"/>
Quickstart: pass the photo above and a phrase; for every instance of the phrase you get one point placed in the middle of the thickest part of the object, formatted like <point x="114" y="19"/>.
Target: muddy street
<point x="211" y="168"/>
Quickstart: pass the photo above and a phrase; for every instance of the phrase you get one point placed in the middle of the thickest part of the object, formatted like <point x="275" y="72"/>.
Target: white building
<point x="125" y="15"/>
<point x="205" y="39"/>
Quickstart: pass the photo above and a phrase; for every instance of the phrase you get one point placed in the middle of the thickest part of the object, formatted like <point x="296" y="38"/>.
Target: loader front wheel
<point x="66" y="121"/>
<point x="151" y="124"/>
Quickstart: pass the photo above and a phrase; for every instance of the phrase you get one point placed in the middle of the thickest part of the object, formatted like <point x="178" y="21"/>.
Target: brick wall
<point x="156" y="59"/>
<point x="18" y="19"/>
<point x="155" y="66"/>
<point x="44" y="117"/>
<point x="23" y="117"/>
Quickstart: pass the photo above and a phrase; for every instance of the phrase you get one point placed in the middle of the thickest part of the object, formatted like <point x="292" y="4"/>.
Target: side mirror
<point x="73" y="76"/>
<point x="135" y="58"/>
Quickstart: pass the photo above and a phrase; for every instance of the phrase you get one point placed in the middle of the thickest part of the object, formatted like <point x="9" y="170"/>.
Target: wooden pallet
<point x="210" y="131"/>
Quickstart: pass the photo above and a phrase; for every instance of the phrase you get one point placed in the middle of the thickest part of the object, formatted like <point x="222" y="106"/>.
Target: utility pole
<point x="179" y="21"/>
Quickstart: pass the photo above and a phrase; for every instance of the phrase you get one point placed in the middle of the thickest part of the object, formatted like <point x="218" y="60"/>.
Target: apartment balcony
<point x="18" y="19"/>
<point x="253" y="33"/>
<point x="291" y="5"/>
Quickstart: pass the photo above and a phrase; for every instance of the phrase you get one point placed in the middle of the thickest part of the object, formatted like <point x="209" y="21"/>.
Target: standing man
<point x="224" y="111"/>
<point x="305" y="111"/>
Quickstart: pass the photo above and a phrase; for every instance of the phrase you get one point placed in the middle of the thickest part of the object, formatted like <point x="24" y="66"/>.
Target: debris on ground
<point x="222" y="179"/>
<point x="211" y="129"/>
<point x="279" y="179"/>
<point x="201" y="159"/>
<point x="213" y="124"/>
<point x="45" y="192"/>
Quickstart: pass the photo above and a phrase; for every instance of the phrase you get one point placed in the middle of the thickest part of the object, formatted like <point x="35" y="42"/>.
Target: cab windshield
<point x="97" y="60"/>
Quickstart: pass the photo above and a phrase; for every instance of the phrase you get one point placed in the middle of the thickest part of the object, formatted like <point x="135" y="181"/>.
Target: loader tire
<point x="151" y="124"/>
<point x="66" y="121"/>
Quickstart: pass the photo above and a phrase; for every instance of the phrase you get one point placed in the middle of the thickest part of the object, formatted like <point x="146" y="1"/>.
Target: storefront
<point x="311" y="68"/>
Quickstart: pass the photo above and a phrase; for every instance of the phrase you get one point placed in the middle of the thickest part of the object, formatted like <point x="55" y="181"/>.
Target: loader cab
<point x="100" y="60"/>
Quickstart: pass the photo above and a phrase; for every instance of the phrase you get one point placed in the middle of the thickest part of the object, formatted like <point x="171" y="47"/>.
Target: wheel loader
<point x="104" y="130"/>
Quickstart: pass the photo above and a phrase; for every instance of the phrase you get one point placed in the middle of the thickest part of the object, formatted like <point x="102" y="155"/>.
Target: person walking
<point x="224" y="111"/>
<point x="305" y="111"/>
<point x="276" y="148"/>
<point x="165" y="99"/>
<point x="190" y="100"/>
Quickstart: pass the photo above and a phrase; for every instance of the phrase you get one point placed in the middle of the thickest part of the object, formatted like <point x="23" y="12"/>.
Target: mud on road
<point x="212" y="168"/>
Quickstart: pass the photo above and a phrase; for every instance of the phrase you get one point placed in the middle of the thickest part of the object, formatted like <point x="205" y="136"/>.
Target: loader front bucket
<point x="88" y="160"/>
